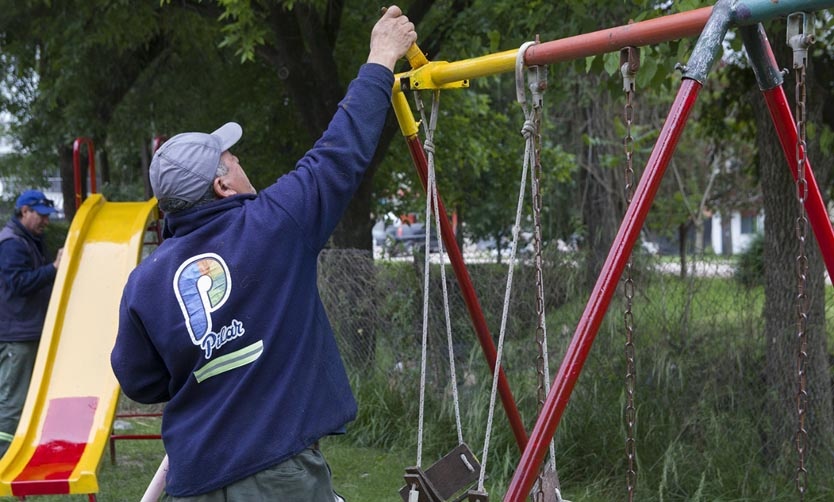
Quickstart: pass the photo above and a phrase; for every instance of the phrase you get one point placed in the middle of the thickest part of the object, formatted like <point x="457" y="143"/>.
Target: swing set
<point x="453" y="476"/>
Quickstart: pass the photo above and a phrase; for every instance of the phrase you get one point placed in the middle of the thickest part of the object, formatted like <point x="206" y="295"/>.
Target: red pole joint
<point x="76" y="166"/>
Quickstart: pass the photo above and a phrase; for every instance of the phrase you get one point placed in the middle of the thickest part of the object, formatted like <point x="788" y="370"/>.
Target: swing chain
<point x="802" y="297"/>
<point x="799" y="37"/>
<point x="629" y="64"/>
<point x="537" y="77"/>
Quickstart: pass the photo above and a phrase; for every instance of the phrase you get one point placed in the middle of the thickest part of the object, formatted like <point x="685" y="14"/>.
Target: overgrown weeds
<point x="700" y="393"/>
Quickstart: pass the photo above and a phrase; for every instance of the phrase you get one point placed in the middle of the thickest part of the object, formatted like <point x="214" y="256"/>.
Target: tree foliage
<point x="123" y="73"/>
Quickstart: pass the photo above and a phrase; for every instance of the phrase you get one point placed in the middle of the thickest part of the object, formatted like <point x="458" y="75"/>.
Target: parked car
<point x="404" y="238"/>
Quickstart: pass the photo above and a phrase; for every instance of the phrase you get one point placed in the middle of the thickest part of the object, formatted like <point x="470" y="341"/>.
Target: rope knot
<point x="428" y="146"/>
<point x="528" y="129"/>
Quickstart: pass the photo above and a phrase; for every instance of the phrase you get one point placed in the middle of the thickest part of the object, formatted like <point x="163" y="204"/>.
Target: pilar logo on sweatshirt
<point x="202" y="285"/>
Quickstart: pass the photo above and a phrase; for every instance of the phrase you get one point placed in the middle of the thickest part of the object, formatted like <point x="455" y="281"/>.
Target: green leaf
<point x="612" y="63"/>
<point x="648" y="69"/>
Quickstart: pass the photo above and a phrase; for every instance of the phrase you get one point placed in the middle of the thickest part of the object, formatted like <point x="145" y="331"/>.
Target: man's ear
<point x="221" y="189"/>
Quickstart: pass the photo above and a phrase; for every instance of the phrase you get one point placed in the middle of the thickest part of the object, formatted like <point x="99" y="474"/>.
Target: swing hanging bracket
<point x="421" y="78"/>
<point x="629" y="64"/>
<point x="537" y="82"/>
<point x="800" y="36"/>
<point x="536" y="78"/>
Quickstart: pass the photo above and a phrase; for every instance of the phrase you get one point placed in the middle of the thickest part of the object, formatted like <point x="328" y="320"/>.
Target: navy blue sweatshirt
<point x="26" y="279"/>
<point x="224" y="320"/>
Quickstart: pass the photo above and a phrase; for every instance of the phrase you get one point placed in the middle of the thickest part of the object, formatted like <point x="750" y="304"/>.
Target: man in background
<point x="26" y="279"/>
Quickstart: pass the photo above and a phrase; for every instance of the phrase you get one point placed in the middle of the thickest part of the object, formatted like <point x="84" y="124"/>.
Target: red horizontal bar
<point x="136" y="415"/>
<point x="649" y="32"/>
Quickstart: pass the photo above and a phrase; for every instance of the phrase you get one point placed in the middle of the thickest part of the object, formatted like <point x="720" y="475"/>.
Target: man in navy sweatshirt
<point x="224" y="320"/>
<point x="26" y="279"/>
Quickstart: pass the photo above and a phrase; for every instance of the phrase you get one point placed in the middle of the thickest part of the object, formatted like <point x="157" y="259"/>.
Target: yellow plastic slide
<point x="66" y="422"/>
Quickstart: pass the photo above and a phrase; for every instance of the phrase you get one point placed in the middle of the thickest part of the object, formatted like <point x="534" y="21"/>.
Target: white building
<point x="736" y="233"/>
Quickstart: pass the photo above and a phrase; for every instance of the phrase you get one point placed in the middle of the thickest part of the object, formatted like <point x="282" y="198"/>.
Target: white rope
<point x="433" y="204"/>
<point x="449" y="341"/>
<point x="434" y="198"/>
<point x="526" y="130"/>
<point x="429" y="147"/>
<point x="504" y="315"/>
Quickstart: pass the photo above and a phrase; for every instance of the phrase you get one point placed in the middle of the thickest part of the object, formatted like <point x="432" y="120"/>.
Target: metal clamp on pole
<point x="537" y="81"/>
<point x="536" y="78"/>
<point x="800" y="36"/>
<point x="629" y="64"/>
<point x="520" y="94"/>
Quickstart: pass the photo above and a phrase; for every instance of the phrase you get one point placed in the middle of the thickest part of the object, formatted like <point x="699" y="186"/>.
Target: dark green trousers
<point x="17" y="359"/>
<point x="303" y="478"/>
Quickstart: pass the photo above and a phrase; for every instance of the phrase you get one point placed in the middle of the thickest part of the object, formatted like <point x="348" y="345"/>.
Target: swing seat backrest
<point x="454" y="472"/>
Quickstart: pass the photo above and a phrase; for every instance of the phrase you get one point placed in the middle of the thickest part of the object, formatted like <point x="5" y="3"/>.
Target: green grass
<point x="361" y="473"/>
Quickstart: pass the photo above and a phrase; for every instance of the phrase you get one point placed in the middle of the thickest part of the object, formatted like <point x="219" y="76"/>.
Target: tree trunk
<point x="145" y="156"/>
<point x="67" y="180"/>
<point x="781" y="326"/>
<point x="104" y="169"/>
<point x="699" y="235"/>
<point x="303" y="52"/>
<point x="603" y="200"/>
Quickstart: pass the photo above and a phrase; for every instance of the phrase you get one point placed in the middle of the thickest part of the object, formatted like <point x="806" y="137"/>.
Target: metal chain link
<point x="537" y="86"/>
<point x="800" y="36"/>
<point x="629" y="64"/>
<point x="541" y="393"/>
<point x="802" y="301"/>
<point x="537" y="240"/>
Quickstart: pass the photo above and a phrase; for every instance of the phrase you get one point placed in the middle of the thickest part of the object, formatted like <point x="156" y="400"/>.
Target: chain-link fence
<point x="376" y="307"/>
<point x="700" y="353"/>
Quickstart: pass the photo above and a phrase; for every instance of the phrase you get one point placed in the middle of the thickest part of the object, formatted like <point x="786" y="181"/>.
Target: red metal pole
<point x="649" y="32"/>
<point x="602" y="293"/>
<point x="785" y="124"/>
<point x="76" y="165"/>
<point x="469" y="297"/>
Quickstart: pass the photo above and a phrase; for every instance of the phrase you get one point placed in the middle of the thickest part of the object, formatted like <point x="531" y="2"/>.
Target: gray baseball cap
<point x="185" y="165"/>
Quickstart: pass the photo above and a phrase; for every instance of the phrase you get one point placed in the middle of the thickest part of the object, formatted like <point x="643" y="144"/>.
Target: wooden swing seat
<point x="476" y="496"/>
<point x="455" y="471"/>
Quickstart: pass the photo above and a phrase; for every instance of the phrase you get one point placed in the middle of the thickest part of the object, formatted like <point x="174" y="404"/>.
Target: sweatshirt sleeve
<point x="20" y="273"/>
<point x="316" y="193"/>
